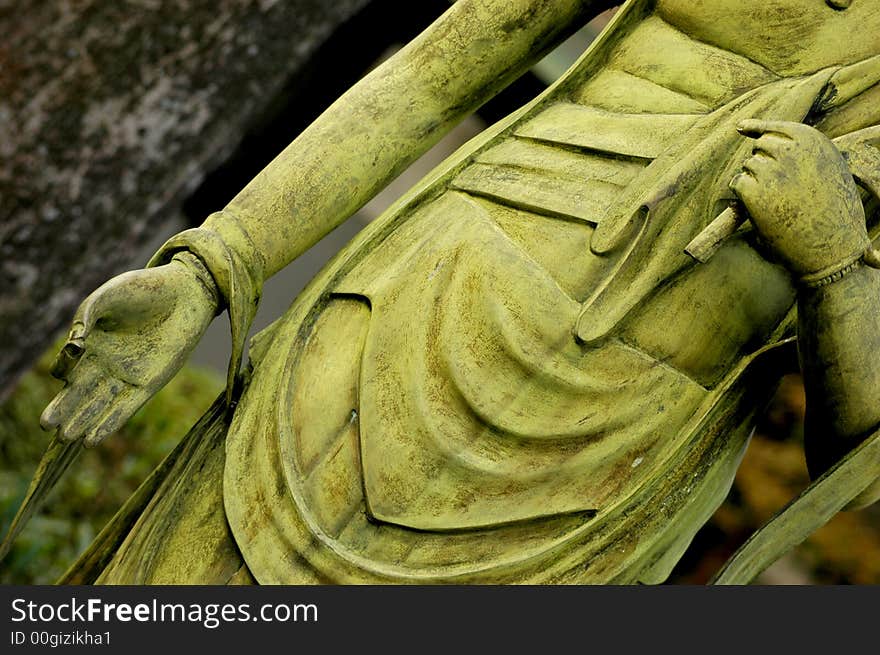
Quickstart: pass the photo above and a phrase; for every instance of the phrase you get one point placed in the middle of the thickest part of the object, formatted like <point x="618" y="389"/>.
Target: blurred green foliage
<point x="99" y="481"/>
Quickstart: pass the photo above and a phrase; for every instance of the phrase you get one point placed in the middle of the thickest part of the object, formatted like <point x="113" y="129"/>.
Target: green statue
<point x="542" y="364"/>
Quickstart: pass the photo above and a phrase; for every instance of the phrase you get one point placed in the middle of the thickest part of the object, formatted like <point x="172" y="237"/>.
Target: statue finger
<point x="757" y="164"/>
<point x="755" y="128"/>
<point x="114" y="417"/>
<point x="90" y="310"/>
<point x="772" y="145"/>
<point x="81" y="385"/>
<point x="89" y="412"/>
<point x="744" y="184"/>
<point x="69" y="355"/>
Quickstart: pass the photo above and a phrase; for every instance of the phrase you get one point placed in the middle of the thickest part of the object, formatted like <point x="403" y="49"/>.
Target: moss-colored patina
<point x="518" y="374"/>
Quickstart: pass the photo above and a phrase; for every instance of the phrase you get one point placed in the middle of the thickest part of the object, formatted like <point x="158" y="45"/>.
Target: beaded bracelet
<point x="870" y="257"/>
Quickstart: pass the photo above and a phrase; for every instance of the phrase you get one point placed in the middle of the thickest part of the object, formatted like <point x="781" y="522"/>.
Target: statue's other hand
<point x="128" y="338"/>
<point x="801" y="197"/>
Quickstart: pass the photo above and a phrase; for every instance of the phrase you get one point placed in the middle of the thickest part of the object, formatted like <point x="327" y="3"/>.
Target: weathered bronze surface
<point x="518" y="373"/>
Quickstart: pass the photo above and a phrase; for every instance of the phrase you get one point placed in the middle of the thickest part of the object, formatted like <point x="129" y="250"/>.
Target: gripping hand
<point x="802" y="198"/>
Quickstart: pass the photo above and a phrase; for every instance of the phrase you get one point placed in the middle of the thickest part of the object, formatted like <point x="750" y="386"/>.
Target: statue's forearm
<point x="804" y="202"/>
<point x="839" y="342"/>
<point x="393" y="115"/>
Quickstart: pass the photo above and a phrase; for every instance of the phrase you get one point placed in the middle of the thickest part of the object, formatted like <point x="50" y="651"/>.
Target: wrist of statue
<point x="196" y="267"/>
<point x="221" y="245"/>
<point x="831" y="274"/>
<point x="237" y="239"/>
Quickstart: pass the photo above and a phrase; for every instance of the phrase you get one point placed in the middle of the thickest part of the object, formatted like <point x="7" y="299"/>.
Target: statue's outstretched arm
<point x="806" y="206"/>
<point x="133" y="333"/>
<point x="393" y="115"/>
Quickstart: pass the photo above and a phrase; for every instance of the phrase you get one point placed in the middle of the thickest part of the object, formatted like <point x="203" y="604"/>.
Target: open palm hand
<point x="128" y="339"/>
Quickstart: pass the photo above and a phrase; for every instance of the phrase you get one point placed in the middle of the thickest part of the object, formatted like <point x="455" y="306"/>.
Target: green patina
<point x="518" y="373"/>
